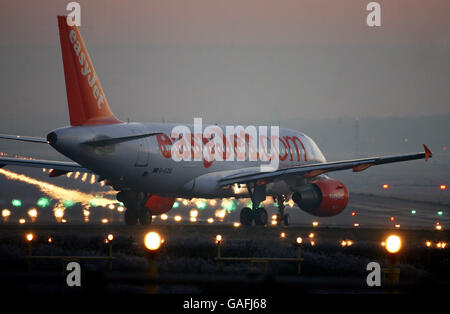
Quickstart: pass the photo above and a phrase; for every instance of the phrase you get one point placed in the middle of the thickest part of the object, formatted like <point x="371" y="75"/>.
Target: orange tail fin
<point x="86" y="99"/>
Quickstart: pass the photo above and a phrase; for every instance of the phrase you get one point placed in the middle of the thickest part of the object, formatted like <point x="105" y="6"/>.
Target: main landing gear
<point x="282" y="217"/>
<point x="135" y="207"/>
<point x="259" y="214"/>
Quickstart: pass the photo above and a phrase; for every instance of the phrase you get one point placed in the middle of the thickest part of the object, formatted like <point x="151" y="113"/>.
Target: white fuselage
<point x="144" y="165"/>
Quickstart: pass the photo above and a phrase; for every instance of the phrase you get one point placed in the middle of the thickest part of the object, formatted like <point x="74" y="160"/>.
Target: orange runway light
<point x="29" y="237"/>
<point x="393" y="244"/>
<point x="152" y="241"/>
<point x="164" y="217"/>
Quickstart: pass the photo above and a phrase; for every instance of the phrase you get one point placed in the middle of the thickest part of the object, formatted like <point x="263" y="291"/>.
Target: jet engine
<point x="322" y="198"/>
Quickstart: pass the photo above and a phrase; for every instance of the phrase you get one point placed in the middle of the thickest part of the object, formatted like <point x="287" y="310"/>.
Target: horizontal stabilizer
<point x="37" y="163"/>
<point x="24" y="138"/>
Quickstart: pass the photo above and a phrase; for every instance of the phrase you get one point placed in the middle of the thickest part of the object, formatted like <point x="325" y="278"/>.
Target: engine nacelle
<point x="159" y="205"/>
<point x="322" y="198"/>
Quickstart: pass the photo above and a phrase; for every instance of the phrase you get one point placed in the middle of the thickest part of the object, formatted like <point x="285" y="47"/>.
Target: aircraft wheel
<point x="260" y="216"/>
<point x="246" y="216"/>
<point x="131" y="217"/>
<point x="145" y="216"/>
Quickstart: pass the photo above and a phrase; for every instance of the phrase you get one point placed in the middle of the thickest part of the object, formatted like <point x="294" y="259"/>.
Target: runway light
<point x="21" y="221"/>
<point x="312" y="242"/>
<point x="104" y="221"/>
<point x="111" y="206"/>
<point x="68" y="203"/>
<point x="110" y="237"/>
<point x="177" y="218"/>
<point x="385" y="186"/>
<point x="120" y="209"/>
<point x="43" y="202"/>
<point x="299" y="240"/>
<point x="440" y="213"/>
<point x="193" y="219"/>
<point x="443" y="187"/>
<point x="413" y="212"/>
<point x="356" y="225"/>
<point x="311" y="235"/>
<point x="236" y="225"/>
<point x="315" y="223"/>
<point x="274" y="222"/>
<point x="29" y="237"/>
<point x="391" y="218"/>
<point x="193" y="213"/>
<point x="353" y="213"/>
<point x="343" y="243"/>
<point x="438" y="227"/>
<point x="50" y="240"/>
<point x="59" y="212"/>
<point x="283" y="235"/>
<point x="393" y="244"/>
<point x="152" y="241"/>
<point x="218" y="239"/>
<point x="6" y="213"/>
<point x="428" y="243"/>
<point x="164" y="217"/>
<point x="33" y="213"/>
<point x="16" y="203"/>
<point x="201" y="205"/>
<point x="210" y="220"/>
<point x="397" y="226"/>
<point x="220" y="213"/>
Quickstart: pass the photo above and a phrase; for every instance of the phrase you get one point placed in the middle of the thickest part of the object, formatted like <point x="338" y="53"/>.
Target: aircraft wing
<point x="313" y="170"/>
<point x="61" y="166"/>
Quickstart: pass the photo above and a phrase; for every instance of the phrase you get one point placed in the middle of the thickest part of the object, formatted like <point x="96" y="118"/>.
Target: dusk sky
<point x="230" y="61"/>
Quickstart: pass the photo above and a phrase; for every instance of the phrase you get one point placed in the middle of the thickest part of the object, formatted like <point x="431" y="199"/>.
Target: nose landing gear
<point x="136" y="209"/>
<point x="256" y="214"/>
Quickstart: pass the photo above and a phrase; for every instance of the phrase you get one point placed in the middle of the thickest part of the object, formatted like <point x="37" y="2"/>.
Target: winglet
<point x="428" y="152"/>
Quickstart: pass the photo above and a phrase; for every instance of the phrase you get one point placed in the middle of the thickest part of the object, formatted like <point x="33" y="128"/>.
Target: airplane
<point x="135" y="158"/>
